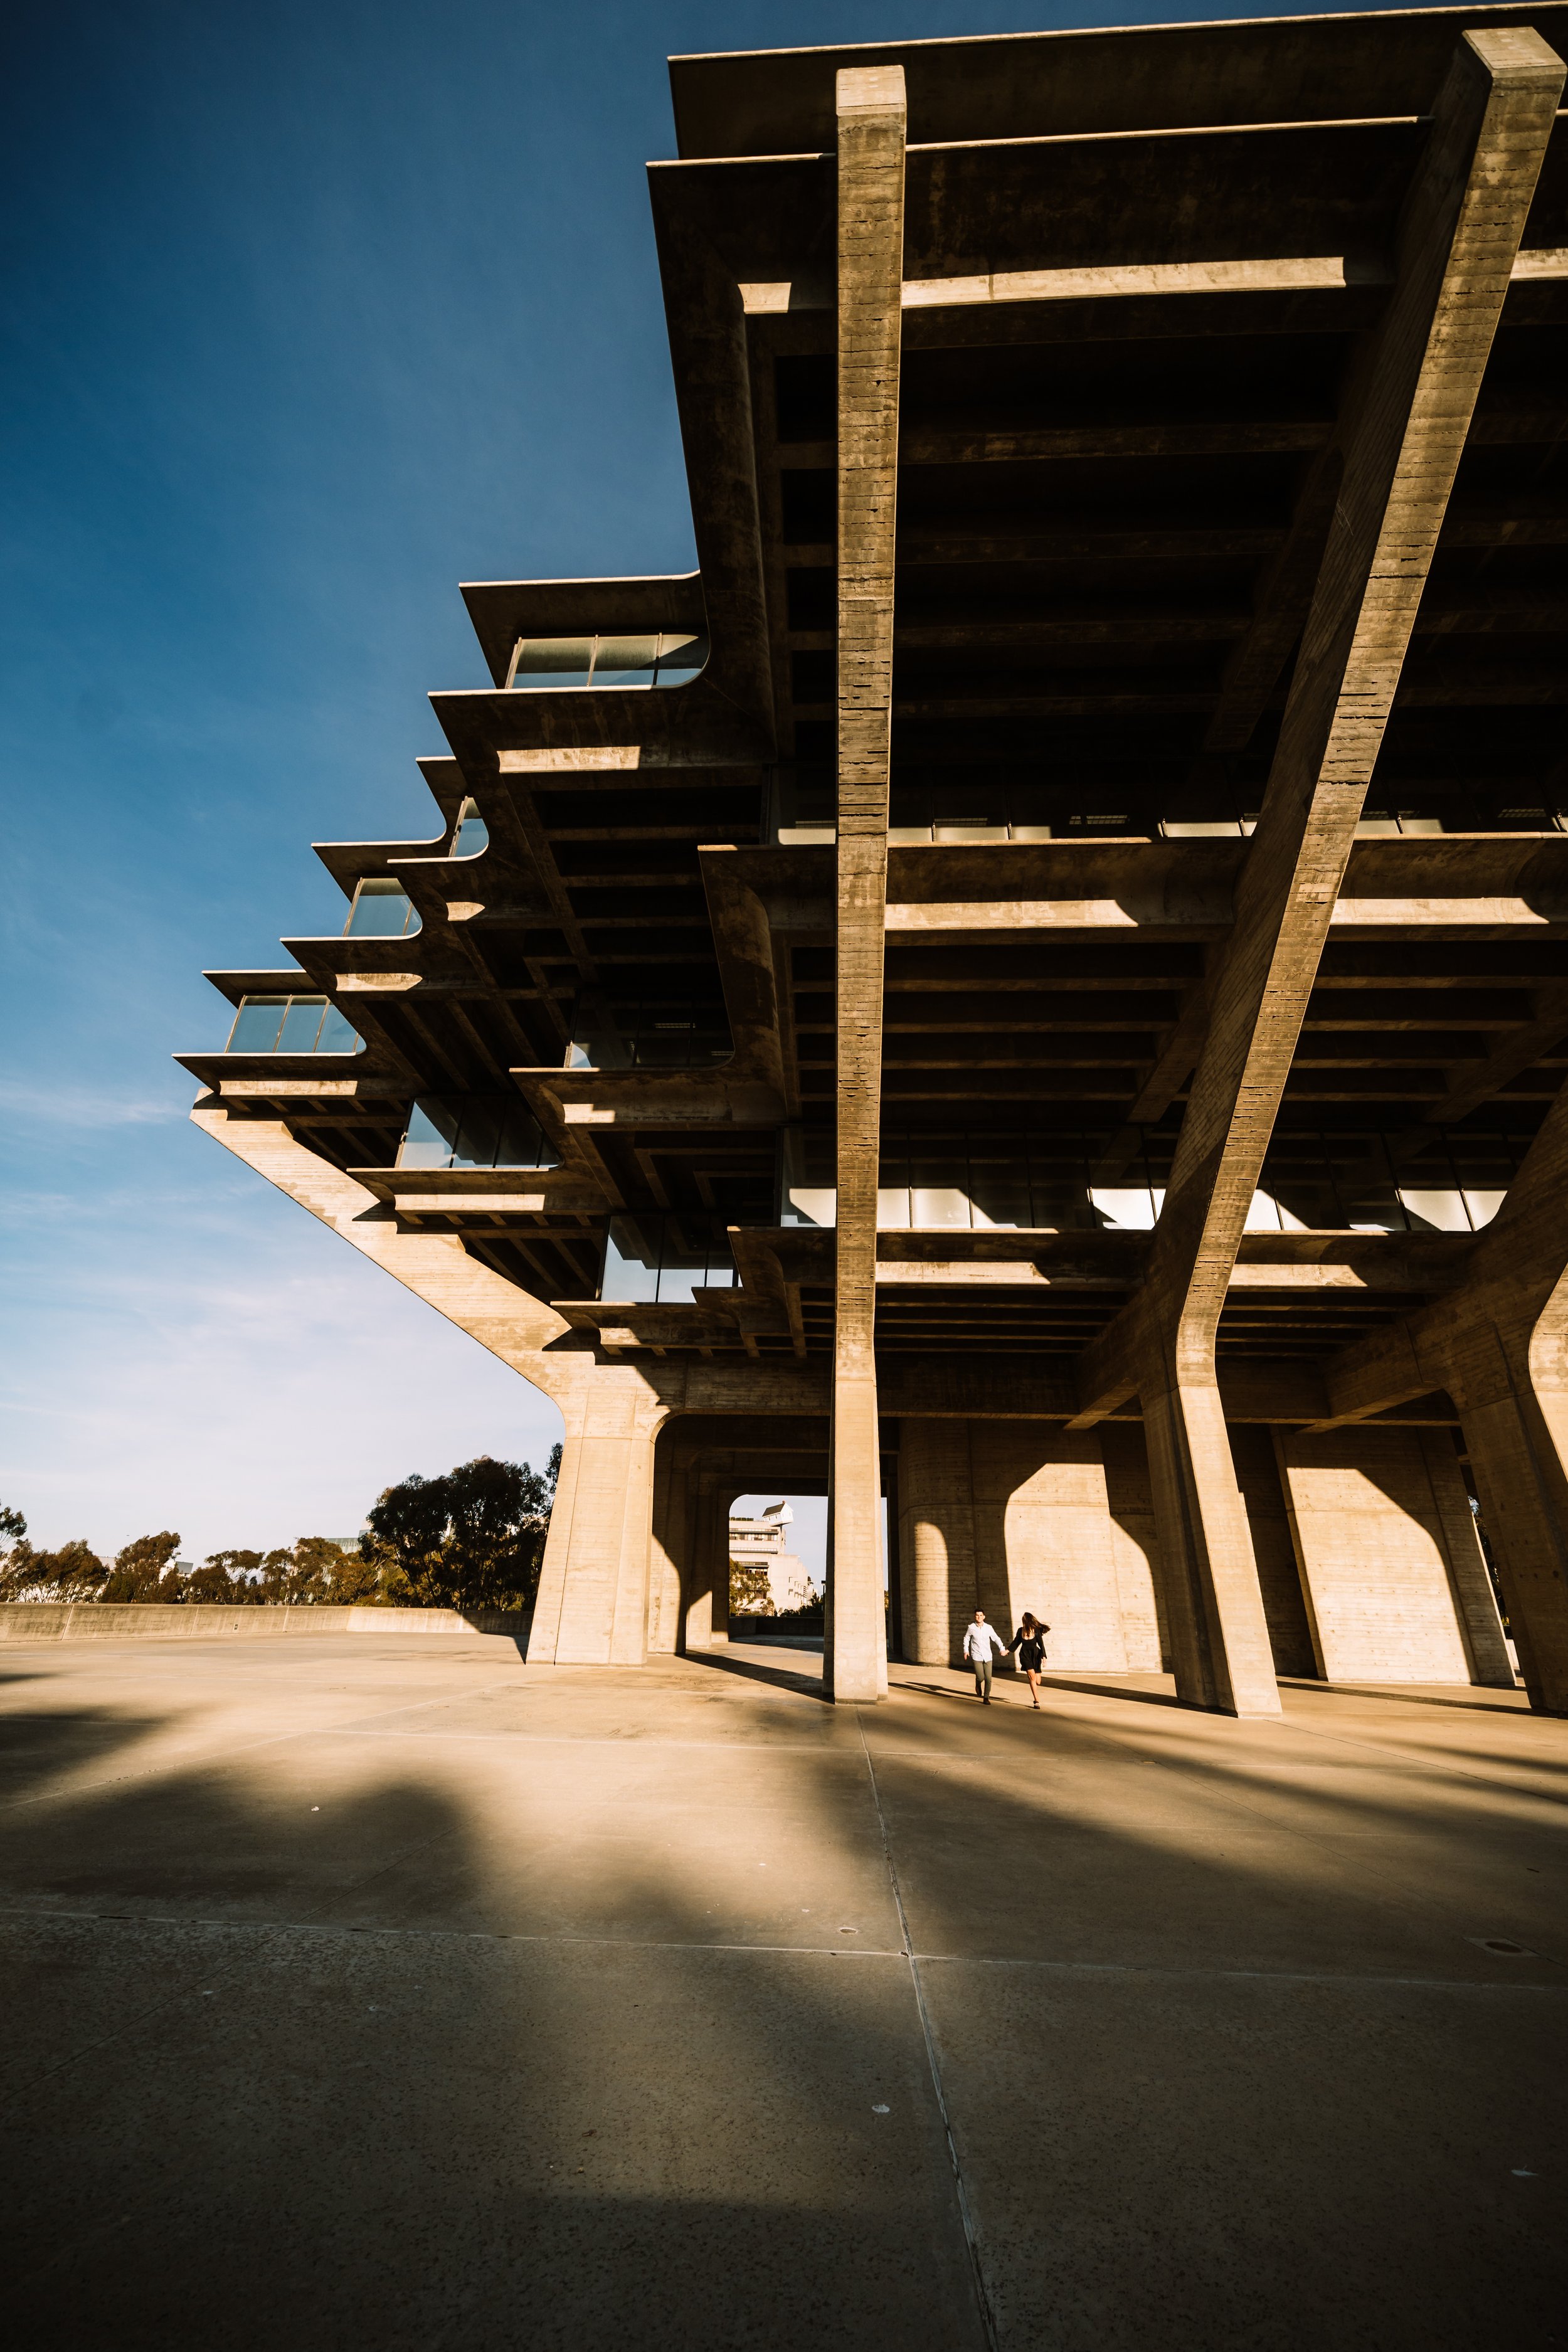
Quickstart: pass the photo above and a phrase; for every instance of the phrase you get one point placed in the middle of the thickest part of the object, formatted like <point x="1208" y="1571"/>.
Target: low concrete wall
<point x="164" y="1621"/>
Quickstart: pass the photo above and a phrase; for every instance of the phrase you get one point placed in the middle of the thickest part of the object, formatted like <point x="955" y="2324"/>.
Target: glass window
<point x="1368" y="1201"/>
<point x="542" y="662"/>
<point x="1124" y="1207"/>
<point x="631" y="1259"/>
<point x="292" y="1025"/>
<point x="1435" y="1208"/>
<point x="256" y="1025"/>
<point x="625" y="661"/>
<point x="338" y="1035"/>
<point x="432" y="1133"/>
<point x="808" y="1195"/>
<point x="681" y="657"/>
<point x="666" y="1257"/>
<point x="1296" y="1176"/>
<point x="479" y="1133"/>
<point x="381" y="910"/>
<point x="683" y="1260"/>
<point x="938" y="1190"/>
<point x="520" y="1143"/>
<point x="301" y="1024"/>
<point x="1059" y="1186"/>
<point x="473" y="833"/>
<point x="999" y="1190"/>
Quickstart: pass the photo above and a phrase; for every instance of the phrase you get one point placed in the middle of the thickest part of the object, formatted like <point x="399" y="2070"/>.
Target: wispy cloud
<point x="82" y="1106"/>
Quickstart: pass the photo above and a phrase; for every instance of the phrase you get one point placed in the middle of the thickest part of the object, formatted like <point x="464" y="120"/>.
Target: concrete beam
<point x="1406" y="417"/>
<point x="871" y="132"/>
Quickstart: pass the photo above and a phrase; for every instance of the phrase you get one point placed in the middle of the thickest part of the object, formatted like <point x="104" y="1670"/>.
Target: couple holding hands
<point x="982" y="1646"/>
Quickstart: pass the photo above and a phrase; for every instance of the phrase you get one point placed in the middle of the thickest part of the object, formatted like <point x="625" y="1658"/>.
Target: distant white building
<point x="759" y="1543"/>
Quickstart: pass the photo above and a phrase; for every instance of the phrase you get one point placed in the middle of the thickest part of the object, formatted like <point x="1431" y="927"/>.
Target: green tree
<point x="471" y="1539"/>
<point x="748" y="1593"/>
<point x="12" y="1524"/>
<point x="145" y="1570"/>
<point x="75" y="1572"/>
<point x="226" y="1576"/>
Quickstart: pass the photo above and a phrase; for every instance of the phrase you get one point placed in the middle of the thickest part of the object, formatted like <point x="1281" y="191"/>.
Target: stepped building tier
<point x="1033" y="984"/>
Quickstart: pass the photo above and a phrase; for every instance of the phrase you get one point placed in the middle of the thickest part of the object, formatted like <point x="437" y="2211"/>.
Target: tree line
<point x="472" y="1539"/>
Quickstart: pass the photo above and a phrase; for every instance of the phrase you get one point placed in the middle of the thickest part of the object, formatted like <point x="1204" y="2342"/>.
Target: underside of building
<point x="1032" y="984"/>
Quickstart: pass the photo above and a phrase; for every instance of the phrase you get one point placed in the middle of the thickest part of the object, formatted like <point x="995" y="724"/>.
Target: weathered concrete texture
<point x="1499" y="1344"/>
<point x="1278" y="1574"/>
<point x="1390" y="1559"/>
<point x="363" y="1994"/>
<point x="1005" y="1517"/>
<point x="593" y="1603"/>
<point x="97" y="1621"/>
<point x="870" y="106"/>
<point x="1402" y="433"/>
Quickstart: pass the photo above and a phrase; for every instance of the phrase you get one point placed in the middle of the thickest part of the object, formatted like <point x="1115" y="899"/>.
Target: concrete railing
<point x="164" y="1621"/>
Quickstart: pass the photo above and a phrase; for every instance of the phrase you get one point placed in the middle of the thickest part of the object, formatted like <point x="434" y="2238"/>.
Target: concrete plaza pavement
<point x="383" y="1992"/>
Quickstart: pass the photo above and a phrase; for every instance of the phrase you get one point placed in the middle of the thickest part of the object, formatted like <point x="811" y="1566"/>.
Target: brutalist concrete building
<point x="1033" y="984"/>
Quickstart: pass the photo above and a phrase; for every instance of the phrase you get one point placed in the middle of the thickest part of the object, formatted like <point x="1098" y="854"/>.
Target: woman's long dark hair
<point x="1031" y="1623"/>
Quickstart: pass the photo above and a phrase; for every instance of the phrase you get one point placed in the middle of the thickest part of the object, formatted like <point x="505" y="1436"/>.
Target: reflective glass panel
<point x="1296" y="1176"/>
<point x="380" y="910"/>
<point x="683" y="1266"/>
<point x="721" y="1274"/>
<point x="552" y="662"/>
<point x="1126" y="1207"/>
<point x="681" y="657"/>
<point x="521" y="1143"/>
<point x="301" y="1024"/>
<point x="1436" y="1208"/>
<point x="432" y="1132"/>
<point x="625" y="661"/>
<point x="1368" y="1201"/>
<point x="631" y="1259"/>
<point x="338" y="1035"/>
<point x="473" y="833"/>
<point x="999" y="1191"/>
<point x="479" y="1134"/>
<point x="256" y="1025"/>
<point x="938" y="1192"/>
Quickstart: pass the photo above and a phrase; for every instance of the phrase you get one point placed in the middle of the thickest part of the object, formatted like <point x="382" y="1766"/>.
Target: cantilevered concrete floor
<point x="368" y="1993"/>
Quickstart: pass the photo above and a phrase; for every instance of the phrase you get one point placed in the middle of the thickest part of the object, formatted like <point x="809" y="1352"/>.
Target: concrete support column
<point x="667" y="1550"/>
<point x="1410" y="396"/>
<point x="708" y="1583"/>
<point x="871" y="129"/>
<point x="936" y="1539"/>
<point x="1218" y="1632"/>
<point x="1513" y="1405"/>
<point x="593" y="1603"/>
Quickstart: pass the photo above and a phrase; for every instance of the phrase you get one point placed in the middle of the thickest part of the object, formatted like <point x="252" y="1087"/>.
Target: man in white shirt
<point x="982" y="1646"/>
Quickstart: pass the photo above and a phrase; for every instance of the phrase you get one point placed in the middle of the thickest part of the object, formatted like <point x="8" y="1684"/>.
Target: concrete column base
<point x="593" y="1605"/>
<point x="1219" y="1631"/>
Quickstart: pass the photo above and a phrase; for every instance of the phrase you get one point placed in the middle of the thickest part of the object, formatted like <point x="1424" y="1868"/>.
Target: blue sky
<point x="312" y="309"/>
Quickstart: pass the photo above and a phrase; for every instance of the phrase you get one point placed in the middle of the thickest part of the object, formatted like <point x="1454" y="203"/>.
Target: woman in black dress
<point x="1030" y="1641"/>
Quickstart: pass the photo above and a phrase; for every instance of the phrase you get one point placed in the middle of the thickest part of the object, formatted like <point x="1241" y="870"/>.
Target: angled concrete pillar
<point x="1216" y="1625"/>
<point x="870" y="107"/>
<point x="1402" y="431"/>
<point x="1510" y="1380"/>
<point x="593" y="1602"/>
